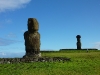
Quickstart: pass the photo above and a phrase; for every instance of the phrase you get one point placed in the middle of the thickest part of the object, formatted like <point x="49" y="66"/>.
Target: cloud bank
<point x="11" y="55"/>
<point x="11" y="35"/>
<point x="5" y="42"/>
<point x="12" y="4"/>
<point x="97" y="45"/>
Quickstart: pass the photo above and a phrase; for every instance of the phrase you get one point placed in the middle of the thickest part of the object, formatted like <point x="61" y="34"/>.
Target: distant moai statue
<point x="32" y="39"/>
<point x="78" y="42"/>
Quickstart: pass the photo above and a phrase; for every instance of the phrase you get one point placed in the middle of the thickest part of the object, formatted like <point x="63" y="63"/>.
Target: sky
<point x="59" y="23"/>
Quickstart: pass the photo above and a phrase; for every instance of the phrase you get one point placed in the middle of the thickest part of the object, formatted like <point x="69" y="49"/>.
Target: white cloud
<point x="11" y="35"/>
<point x="2" y="53"/>
<point x="5" y="42"/>
<point x="4" y="22"/>
<point x="23" y="30"/>
<point x="11" y="55"/>
<point x="8" y="21"/>
<point x="97" y="45"/>
<point x="12" y="4"/>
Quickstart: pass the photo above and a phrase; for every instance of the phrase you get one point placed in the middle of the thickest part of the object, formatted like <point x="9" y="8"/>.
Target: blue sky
<point x="59" y="23"/>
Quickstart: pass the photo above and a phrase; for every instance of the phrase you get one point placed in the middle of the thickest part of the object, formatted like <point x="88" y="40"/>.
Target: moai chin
<point x="78" y="42"/>
<point x="32" y="39"/>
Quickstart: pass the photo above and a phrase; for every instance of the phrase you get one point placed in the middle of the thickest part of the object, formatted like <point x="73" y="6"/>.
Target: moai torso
<point x="32" y="40"/>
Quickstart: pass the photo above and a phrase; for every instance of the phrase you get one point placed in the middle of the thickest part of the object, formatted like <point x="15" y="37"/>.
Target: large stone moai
<point x="32" y="39"/>
<point x="78" y="42"/>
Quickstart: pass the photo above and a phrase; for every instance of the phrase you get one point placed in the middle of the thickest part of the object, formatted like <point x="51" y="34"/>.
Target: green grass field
<point x="82" y="63"/>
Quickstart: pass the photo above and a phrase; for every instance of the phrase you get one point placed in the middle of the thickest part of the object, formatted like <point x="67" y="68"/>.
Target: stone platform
<point x="29" y="60"/>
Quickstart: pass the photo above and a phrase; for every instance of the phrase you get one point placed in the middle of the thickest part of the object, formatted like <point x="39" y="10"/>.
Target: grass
<point x="82" y="63"/>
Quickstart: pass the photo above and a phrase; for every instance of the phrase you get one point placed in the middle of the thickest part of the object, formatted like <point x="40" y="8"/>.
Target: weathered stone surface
<point x="32" y="39"/>
<point x="78" y="42"/>
<point x="33" y="25"/>
<point x="29" y="60"/>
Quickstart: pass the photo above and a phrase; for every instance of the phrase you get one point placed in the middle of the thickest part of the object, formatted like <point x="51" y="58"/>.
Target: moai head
<point x="32" y="25"/>
<point x="78" y="36"/>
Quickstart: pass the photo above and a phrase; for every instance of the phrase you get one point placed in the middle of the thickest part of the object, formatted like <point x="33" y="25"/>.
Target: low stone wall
<point x="28" y="60"/>
<point x="81" y="49"/>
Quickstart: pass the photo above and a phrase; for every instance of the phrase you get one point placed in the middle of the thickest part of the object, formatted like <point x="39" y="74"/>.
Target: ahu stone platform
<point x="29" y="60"/>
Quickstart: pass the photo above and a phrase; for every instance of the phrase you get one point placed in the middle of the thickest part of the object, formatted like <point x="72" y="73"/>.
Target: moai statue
<point x="32" y="39"/>
<point x="78" y="42"/>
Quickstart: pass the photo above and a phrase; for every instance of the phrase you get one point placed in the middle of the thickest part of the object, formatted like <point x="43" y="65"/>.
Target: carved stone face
<point x="32" y="25"/>
<point x="78" y="36"/>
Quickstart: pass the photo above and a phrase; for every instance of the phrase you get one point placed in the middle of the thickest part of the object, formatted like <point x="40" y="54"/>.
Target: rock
<point x="32" y="39"/>
<point x="39" y="55"/>
<point x="35" y="59"/>
<point x="78" y="42"/>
